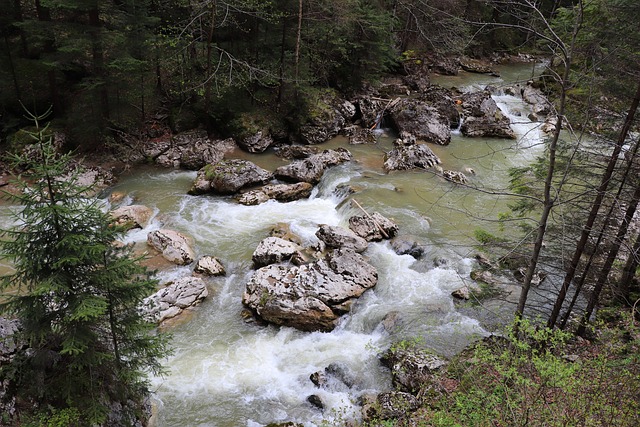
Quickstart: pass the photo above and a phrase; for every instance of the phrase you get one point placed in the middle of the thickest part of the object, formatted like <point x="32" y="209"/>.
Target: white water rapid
<point x="227" y="372"/>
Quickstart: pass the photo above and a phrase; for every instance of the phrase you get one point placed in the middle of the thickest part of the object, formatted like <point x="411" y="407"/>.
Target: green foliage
<point x="524" y="378"/>
<point x="76" y="294"/>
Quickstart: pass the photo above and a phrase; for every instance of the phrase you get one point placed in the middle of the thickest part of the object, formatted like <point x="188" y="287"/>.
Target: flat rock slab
<point x="172" y="300"/>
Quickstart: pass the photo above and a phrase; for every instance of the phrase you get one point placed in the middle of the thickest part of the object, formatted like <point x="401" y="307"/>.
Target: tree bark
<point x="613" y="253"/>
<point x="595" y="207"/>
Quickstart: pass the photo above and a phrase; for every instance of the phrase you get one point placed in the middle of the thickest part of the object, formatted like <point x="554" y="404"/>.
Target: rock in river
<point x="309" y="297"/>
<point x="228" y="177"/>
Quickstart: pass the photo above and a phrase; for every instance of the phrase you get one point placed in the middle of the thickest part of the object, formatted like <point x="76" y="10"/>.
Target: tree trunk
<point x="16" y="85"/>
<point x="209" y="77"/>
<point x="629" y="271"/>
<point x="613" y="253"/>
<point x="595" y="207"/>
<point x="298" y="41"/>
<point x="97" y="52"/>
<point x="603" y="228"/>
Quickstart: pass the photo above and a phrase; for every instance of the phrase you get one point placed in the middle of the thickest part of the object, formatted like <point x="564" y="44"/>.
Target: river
<point x="228" y="372"/>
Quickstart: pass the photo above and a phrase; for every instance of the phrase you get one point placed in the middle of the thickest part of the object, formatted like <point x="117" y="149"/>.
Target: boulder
<point x="407" y="245"/>
<point x="189" y="150"/>
<point x="202" y="153"/>
<point x="374" y="227"/>
<point x="132" y="216"/>
<point x="446" y="66"/>
<point x="309" y="297"/>
<point x="388" y="405"/>
<point x="174" y="298"/>
<point x="412" y="368"/>
<point x="210" y="266"/>
<point x="465" y="292"/>
<point x="339" y="237"/>
<point x="273" y="250"/>
<point x="295" y="151"/>
<point x="362" y="136"/>
<point x="416" y="76"/>
<point x="174" y="246"/>
<point x="407" y="154"/>
<point x="256" y="143"/>
<point x="418" y="117"/>
<point x="482" y="117"/>
<point x="330" y="114"/>
<point x="8" y="339"/>
<point x="477" y="66"/>
<point x="335" y="377"/>
<point x="312" y="168"/>
<point x="539" y="103"/>
<point x="228" y="177"/>
<point x="455" y="177"/>
<point x="279" y="192"/>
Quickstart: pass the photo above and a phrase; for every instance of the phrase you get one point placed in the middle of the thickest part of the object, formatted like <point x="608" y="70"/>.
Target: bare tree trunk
<point x="629" y="271"/>
<point x="282" y="52"/>
<point x="97" y="52"/>
<point x="603" y="228"/>
<point x="16" y="86"/>
<point x="595" y="207"/>
<point x="613" y="253"/>
<point x="298" y="41"/>
<point x="209" y="77"/>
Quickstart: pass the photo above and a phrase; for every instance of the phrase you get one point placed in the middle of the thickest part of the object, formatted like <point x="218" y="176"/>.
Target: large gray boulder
<point x="309" y="297"/>
<point x="256" y="143"/>
<point x="412" y="368"/>
<point x="339" y="237"/>
<point x="172" y="300"/>
<point x="273" y="250"/>
<point x="228" y="177"/>
<point x="132" y="216"/>
<point x="539" y="103"/>
<point x="407" y="154"/>
<point x="374" y="227"/>
<point x="279" y="192"/>
<point x="174" y="246"/>
<point x="188" y="150"/>
<point x="483" y="118"/>
<point x="329" y="115"/>
<point x="209" y="266"/>
<point x="312" y="168"/>
<point x="420" y="118"/>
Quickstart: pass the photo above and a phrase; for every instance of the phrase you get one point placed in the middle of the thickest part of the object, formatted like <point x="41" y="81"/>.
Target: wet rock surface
<point x="313" y="167"/>
<point x="228" y="177"/>
<point x="312" y="296"/>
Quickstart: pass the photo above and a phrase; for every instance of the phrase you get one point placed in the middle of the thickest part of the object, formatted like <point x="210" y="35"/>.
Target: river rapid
<point x="228" y="372"/>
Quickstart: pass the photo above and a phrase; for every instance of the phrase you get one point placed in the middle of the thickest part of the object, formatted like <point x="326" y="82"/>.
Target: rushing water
<point x="226" y="371"/>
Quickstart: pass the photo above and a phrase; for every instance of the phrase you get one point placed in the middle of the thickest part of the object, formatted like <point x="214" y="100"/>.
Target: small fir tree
<point x="76" y="293"/>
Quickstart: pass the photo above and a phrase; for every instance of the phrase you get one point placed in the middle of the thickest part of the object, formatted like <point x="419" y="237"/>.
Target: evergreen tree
<point x="76" y="293"/>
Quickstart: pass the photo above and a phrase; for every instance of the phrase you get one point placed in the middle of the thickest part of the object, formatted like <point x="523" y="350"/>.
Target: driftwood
<point x="384" y="233"/>
<point x="390" y="104"/>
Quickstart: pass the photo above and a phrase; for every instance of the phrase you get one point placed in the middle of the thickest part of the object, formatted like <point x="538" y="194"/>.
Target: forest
<point x="106" y="73"/>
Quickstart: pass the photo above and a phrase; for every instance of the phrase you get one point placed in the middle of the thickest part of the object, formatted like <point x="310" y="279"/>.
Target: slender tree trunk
<point x="603" y="276"/>
<point x="209" y="77"/>
<point x="14" y="76"/>
<point x="17" y="13"/>
<point x="595" y="207"/>
<point x="603" y="228"/>
<point x="298" y="41"/>
<point x="282" y="52"/>
<point x="97" y="51"/>
<point x="629" y="271"/>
